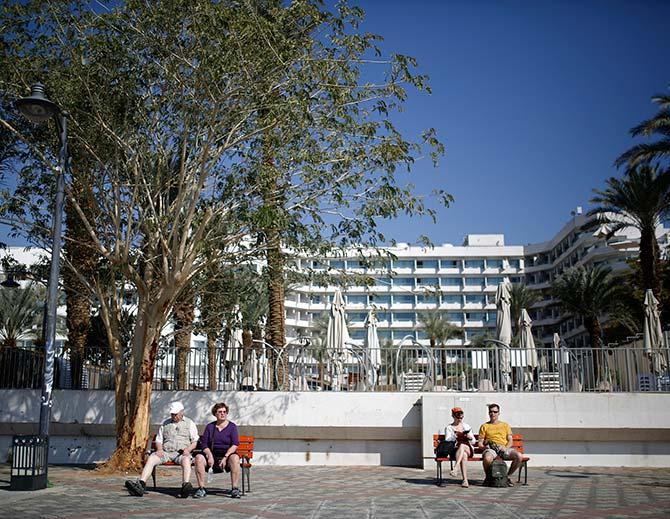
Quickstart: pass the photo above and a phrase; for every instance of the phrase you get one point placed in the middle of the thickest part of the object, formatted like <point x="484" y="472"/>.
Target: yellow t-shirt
<point x="495" y="433"/>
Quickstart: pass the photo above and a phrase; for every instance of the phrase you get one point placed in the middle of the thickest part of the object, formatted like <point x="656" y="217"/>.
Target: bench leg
<point x="439" y="473"/>
<point x="525" y="472"/>
<point x="153" y="477"/>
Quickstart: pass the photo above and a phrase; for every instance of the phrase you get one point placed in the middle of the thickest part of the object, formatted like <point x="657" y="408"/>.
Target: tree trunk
<point x="247" y="344"/>
<point x="212" y="362"/>
<point x="594" y="330"/>
<point x="79" y="251"/>
<point x="183" y="327"/>
<point x="650" y="262"/>
<point x="134" y="381"/>
<point x="276" y="330"/>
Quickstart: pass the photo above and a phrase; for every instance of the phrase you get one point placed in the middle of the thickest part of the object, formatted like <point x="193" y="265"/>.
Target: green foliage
<point x="438" y="329"/>
<point x="640" y="199"/>
<point x="659" y="125"/>
<point x="21" y="311"/>
<point x="521" y="297"/>
<point x="587" y="292"/>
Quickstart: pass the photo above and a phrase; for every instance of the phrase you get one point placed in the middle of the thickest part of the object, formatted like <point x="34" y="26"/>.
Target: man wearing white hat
<point x="176" y="438"/>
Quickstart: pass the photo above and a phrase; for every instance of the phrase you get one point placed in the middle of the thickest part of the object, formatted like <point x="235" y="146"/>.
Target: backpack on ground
<point x="498" y="478"/>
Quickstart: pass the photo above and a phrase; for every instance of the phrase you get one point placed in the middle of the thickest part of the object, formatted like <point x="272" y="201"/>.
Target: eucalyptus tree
<point x="659" y="125"/>
<point x="641" y="199"/>
<point x="330" y="163"/>
<point x="152" y="78"/>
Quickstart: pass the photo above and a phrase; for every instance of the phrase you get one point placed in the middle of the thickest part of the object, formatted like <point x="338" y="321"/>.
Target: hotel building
<point x="461" y="281"/>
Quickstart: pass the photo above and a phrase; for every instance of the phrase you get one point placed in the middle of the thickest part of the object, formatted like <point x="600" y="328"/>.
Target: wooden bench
<point x="245" y="450"/>
<point x="517" y="445"/>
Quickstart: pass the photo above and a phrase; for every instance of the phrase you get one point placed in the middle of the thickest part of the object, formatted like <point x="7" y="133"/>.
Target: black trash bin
<point x="29" y="462"/>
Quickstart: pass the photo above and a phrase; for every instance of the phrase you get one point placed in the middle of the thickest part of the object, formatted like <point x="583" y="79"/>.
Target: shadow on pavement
<point x="446" y="483"/>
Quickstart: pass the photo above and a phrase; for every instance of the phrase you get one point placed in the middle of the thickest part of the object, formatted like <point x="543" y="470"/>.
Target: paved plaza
<point x="351" y="492"/>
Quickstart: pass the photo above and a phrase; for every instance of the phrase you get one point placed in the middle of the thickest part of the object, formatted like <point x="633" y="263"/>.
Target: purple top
<point x="219" y="441"/>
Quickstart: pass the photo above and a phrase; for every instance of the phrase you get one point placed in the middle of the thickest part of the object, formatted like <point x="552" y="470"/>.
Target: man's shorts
<point x="505" y="455"/>
<point x="170" y="456"/>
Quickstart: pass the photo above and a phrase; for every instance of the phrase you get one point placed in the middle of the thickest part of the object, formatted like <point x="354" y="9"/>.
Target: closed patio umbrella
<point x="336" y="339"/>
<point x="653" y="334"/>
<point x="527" y="345"/>
<point x="372" y="346"/>
<point x="504" y="327"/>
<point x="526" y="341"/>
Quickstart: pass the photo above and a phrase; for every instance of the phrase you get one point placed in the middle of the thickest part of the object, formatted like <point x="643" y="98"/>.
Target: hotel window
<point x="403" y="317"/>
<point x="452" y="299"/>
<point x="427" y="282"/>
<point x="427" y="299"/>
<point x="357" y="334"/>
<point x="356" y="317"/>
<point x="494" y="263"/>
<point x="380" y="300"/>
<point x="382" y="282"/>
<point x="401" y="333"/>
<point x="384" y="316"/>
<point x="474" y="282"/>
<point x="403" y="299"/>
<point x="474" y="264"/>
<point x="403" y="282"/>
<point x="514" y="263"/>
<point x="426" y="264"/>
<point x="454" y="317"/>
<point x="450" y="264"/>
<point x="493" y="282"/>
<point x="475" y="299"/>
<point x="337" y="264"/>
<point x="451" y="282"/>
<point x="357" y="300"/>
<point x="475" y="316"/>
<point x="403" y="264"/>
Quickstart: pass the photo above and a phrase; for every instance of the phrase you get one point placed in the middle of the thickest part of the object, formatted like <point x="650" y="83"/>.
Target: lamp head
<point x="10" y="282"/>
<point x="36" y="108"/>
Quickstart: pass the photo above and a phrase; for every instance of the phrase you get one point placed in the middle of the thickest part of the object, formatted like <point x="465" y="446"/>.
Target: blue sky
<point x="533" y="100"/>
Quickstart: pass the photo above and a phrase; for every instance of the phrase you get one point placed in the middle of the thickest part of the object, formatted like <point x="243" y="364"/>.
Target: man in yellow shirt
<point x="496" y="436"/>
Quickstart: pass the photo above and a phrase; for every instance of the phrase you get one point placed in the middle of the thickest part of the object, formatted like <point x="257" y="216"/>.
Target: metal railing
<point x="409" y="366"/>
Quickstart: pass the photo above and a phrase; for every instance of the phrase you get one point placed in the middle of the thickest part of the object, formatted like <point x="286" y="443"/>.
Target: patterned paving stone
<point x="351" y="492"/>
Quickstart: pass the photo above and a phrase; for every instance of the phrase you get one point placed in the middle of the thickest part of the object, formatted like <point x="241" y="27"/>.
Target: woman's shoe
<point x="453" y="473"/>
<point x="465" y="484"/>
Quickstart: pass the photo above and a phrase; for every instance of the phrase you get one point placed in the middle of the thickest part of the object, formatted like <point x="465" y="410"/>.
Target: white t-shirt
<point x="450" y="433"/>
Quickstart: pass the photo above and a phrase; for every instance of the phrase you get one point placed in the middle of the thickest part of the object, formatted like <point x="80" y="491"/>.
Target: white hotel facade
<point x="461" y="282"/>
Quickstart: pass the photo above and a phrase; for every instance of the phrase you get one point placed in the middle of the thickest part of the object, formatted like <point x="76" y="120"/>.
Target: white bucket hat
<point x="176" y="407"/>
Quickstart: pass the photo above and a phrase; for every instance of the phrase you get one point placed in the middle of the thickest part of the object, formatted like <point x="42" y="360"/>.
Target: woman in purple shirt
<point x="219" y="443"/>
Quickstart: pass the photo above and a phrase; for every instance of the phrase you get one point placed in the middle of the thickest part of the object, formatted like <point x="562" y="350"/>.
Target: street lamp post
<point x="37" y="108"/>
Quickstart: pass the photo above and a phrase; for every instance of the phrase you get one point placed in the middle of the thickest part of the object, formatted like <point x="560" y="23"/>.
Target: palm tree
<point x="20" y="311"/>
<point x="521" y="297"/>
<point x="588" y="293"/>
<point x="641" y="200"/>
<point x="439" y="331"/>
<point x="657" y="125"/>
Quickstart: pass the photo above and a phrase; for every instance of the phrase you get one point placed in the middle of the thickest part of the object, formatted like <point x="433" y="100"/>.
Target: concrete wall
<point x="629" y="429"/>
<point x="566" y="429"/>
<point x="290" y="428"/>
